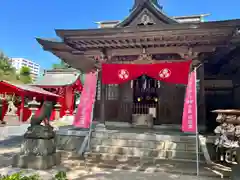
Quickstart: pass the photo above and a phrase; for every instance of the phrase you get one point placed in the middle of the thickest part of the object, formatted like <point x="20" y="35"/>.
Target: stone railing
<point x="228" y="136"/>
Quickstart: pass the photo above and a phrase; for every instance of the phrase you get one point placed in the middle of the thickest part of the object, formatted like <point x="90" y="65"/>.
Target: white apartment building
<point x="18" y="63"/>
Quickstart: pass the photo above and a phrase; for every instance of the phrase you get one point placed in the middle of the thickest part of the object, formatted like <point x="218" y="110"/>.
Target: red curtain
<point x="176" y="72"/>
<point x="120" y="73"/>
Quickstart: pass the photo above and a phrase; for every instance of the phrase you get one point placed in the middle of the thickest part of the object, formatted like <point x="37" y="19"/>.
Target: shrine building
<point x="149" y="36"/>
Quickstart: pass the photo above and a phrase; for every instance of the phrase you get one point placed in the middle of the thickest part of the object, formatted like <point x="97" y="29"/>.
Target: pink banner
<point x="83" y="116"/>
<point x="189" y="119"/>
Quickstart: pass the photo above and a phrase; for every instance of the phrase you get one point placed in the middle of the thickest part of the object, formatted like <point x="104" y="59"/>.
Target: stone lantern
<point x="57" y="109"/>
<point x="33" y="105"/>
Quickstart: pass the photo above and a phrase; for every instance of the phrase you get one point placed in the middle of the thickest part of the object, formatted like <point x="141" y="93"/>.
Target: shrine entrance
<point x="143" y="94"/>
<point x="146" y="97"/>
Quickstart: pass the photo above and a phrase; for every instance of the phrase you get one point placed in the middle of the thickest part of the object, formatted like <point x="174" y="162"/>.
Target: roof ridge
<point x="154" y="9"/>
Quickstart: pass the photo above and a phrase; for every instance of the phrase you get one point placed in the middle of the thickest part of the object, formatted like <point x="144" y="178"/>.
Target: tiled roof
<point x="58" y="77"/>
<point x="18" y="88"/>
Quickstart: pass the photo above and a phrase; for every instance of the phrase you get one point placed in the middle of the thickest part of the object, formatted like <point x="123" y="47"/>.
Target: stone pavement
<point x="77" y="171"/>
<point x="10" y="145"/>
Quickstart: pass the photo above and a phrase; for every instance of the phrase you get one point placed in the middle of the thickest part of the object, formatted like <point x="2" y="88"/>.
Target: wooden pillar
<point x="201" y="104"/>
<point x="120" y="100"/>
<point x="104" y="58"/>
<point x="102" y="103"/>
<point x="21" y="109"/>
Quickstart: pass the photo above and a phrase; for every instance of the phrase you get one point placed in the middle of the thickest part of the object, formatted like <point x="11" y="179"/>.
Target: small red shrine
<point x="64" y="82"/>
<point x="22" y="92"/>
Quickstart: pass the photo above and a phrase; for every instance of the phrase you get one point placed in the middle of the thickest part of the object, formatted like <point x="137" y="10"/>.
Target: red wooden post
<point x="21" y="108"/>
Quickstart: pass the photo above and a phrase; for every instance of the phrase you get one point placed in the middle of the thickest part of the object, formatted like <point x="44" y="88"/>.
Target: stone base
<point x="142" y="120"/>
<point x="39" y="132"/>
<point x="36" y="162"/>
<point x="12" y="120"/>
<point x="69" y="142"/>
<point x="235" y="172"/>
<point x="38" y="147"/>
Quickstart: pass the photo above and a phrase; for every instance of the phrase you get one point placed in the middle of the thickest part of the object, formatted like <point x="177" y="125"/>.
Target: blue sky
<point x="23" y="20"/>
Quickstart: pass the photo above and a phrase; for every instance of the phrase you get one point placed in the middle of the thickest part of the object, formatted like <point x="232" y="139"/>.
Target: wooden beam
<point x="159" y="50"/>
<point x="161" y="42"/>
<point x="93" y="52"/>
<point x="148" y="33"/>
<point x="220" y="83"/>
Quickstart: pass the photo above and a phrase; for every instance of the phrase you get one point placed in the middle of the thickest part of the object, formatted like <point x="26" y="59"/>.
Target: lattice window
<point x="98" y="93"/>
<point x="112" y="92"/>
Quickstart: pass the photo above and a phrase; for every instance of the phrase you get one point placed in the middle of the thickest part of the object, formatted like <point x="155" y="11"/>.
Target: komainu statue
<point x="37" y="130"/>
<point x="44" y="114"/>
<point x="39" y="148"/>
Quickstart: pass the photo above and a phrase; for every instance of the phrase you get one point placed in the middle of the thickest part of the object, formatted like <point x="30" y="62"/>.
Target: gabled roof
<point x="24" y="89"/>
<point x="53" y="44"/>
<point x="147" y="8"/>
<point x="71" y="56"/>
<point x="58" y="77"/>
<point x="181" y="19"/>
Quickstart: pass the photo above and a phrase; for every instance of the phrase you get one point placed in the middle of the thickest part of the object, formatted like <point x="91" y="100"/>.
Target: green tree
<point x="61" y="65"/>
<point x="7" y="72"/>
<point x="25" y="75"/>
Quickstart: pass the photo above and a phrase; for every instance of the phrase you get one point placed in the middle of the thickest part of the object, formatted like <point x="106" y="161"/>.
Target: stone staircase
<point x="114" y="148"/>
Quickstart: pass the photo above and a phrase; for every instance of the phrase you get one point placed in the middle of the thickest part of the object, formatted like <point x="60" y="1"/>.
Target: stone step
<point x="130" y="151"/>
<point x="184" y="155"/>
<point x="70" y="155"/>
<point x="144" y="137"/>
<point x="133" y="151"/>
<point x="166" y="145"/>
<point x="126" y="158"/>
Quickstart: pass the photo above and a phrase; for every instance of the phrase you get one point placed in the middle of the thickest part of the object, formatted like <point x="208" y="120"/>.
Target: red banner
<point x="189" y="119"/>
<point x="176" y="72"/>
<point x="83" y="116"/>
